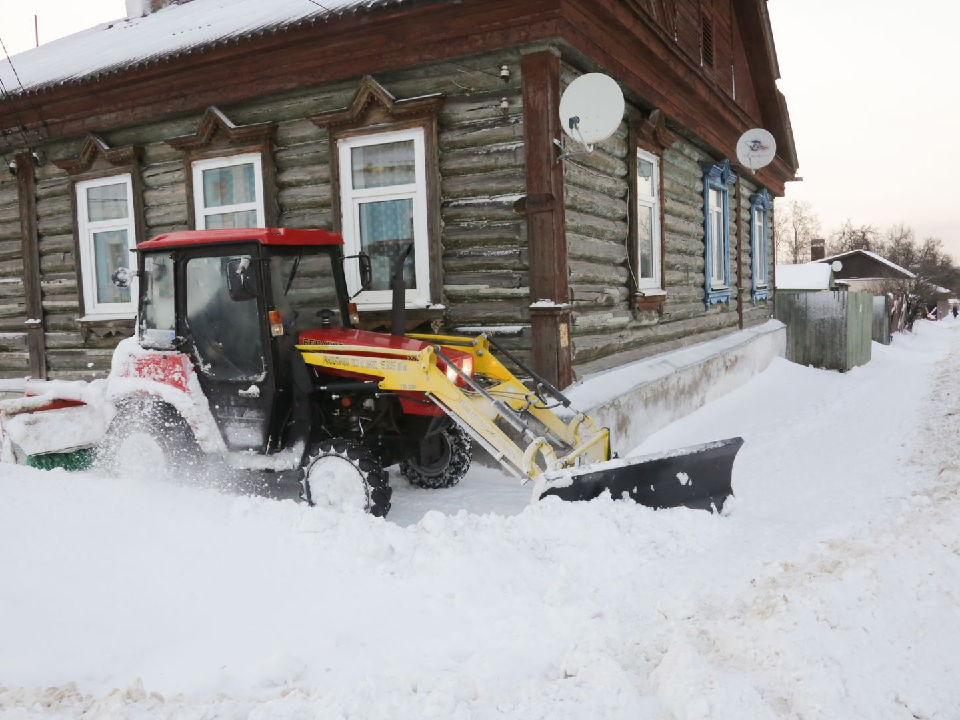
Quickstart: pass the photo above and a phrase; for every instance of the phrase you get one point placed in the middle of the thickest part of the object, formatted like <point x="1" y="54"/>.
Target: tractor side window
<point x="158" y="326"/>
<point x="224" y="331"/>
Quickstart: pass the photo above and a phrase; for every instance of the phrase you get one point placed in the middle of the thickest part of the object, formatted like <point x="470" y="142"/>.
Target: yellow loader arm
<point x="489" y="395"/>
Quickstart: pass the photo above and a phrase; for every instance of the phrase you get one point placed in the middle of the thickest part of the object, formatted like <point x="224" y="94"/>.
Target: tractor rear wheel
<point x="344" y="473"/>
<point x="150" y="438"/>
<point x="442" y="459"/>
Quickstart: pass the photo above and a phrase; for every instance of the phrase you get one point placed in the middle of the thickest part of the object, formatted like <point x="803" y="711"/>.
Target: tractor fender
<point x="138" y="374"/>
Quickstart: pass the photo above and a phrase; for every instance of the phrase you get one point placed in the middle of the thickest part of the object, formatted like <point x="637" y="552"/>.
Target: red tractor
<point x="247" y="353"/>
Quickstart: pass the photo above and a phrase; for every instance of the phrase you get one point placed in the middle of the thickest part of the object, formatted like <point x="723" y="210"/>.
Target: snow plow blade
<point x="698" y="477"/>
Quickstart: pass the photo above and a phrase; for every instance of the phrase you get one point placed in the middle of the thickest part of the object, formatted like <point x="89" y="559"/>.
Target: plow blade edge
<point x="698" y="477"/>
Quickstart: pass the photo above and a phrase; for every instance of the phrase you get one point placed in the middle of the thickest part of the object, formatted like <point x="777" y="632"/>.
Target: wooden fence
<point x="829" y="329"/>
<point x="881" y="319"/>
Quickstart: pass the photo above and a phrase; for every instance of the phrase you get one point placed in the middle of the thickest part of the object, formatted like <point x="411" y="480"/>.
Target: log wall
<point x="14" y="357"/>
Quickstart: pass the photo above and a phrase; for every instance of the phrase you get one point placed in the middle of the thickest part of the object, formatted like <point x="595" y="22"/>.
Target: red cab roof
<point x="265" y="236"/>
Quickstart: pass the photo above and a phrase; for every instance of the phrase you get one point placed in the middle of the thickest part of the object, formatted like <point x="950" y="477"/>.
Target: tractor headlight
<point x="465" y="366"/>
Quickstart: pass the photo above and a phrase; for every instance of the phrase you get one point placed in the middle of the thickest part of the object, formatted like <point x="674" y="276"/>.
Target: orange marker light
<point x="276" y="323"/>
<point x="354" y="314"/>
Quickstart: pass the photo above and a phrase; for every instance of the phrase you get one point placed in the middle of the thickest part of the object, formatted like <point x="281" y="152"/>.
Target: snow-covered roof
<point x="174" y="30"/>
<point x="808" y="276"/>
<point x="874" y="256"/>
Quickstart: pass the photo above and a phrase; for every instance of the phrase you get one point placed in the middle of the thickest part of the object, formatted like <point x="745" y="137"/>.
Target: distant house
<point x="865" y="271"/>
<point x="806" y="277"/>
<point x="432" y="122"/>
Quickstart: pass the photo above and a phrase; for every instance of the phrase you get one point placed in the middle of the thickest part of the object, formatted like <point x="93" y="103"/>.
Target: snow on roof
<point x="809" y="276"/>
<point x="125" y="43"/>
<point x="878" y="258"/>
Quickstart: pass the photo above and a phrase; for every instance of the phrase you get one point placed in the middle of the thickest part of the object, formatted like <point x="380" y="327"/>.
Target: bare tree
<point x="854" y="237"/>
<point x="795" y="225"/>
<point x="900" y="245"/>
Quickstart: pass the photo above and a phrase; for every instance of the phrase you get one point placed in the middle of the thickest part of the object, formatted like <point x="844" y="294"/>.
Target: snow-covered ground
<point x="830" y="589"/>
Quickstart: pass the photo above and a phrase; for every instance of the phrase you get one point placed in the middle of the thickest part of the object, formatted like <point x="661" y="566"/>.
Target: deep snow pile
<point x="830" y="590"/>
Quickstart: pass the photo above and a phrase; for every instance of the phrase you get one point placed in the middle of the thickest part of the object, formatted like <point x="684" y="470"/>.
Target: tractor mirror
<point x="122" y="277"/>
<point x="366" y="271"/>
<point x="241" y="283"/>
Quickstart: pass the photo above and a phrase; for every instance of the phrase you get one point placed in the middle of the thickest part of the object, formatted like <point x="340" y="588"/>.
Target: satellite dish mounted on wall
<point x="756" y="149"/>
<point x="837" y="266"/>
<point x="591" y="110"/>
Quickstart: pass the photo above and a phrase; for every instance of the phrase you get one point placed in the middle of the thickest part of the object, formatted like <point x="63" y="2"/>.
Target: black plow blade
<point x="698" y="477"/>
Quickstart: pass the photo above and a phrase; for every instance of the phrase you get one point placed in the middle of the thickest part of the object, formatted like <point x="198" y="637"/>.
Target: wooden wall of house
<point x="484" y="258"/>
<point x="606" y="330"/>
<point x="14" y="359"/>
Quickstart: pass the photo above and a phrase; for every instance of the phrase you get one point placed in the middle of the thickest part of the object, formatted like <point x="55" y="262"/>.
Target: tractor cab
<point x="235" y="302"/>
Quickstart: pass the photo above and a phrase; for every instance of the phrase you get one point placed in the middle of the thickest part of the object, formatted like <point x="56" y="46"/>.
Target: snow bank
<point x="829" y="590"/>
<point x="638" y="399"/>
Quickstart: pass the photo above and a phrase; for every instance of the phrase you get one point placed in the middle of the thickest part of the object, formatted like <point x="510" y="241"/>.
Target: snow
<point x="808" y="276"/>
<point x="492" y="329"/>
<point x="829" y="588"/>
<point x="543" y="303"/>
<point x="177" y="29"/>
<point x="878" y="258"/>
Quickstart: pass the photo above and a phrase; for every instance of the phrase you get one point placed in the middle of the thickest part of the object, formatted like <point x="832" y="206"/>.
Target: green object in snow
<point x="81" y="459"/>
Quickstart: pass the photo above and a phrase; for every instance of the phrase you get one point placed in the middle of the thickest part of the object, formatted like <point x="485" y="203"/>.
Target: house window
<point x="716" y="182"/>
<point x="648" y="221"/>
<point x="107" y="234"/>
<point x="760" y="205"/>
<point x="228" y="192"/>
<point x="384" y="211"/>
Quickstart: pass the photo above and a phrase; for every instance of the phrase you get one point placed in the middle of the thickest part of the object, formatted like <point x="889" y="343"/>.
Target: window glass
<point x="718" y="274"/>
<point x="645" y="177"/>
<point x="226" y="221"/>
<point x="645" y="224"/>
<point x="225" y="332"/>
<point x="157" y="317"/>
<point x="232" y="185"/>
<point x="759" y="221"/>
<point x="110" y="251"/>
<point x="386" y="229"/>
<point x="107" y="202"/>
<point x="383" y="165"/>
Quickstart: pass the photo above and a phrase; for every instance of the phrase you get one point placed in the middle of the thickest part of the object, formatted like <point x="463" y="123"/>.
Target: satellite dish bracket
<point x="575" y="127"/>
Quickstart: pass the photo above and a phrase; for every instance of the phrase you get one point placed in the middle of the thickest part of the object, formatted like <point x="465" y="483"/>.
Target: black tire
<point x="447" y="466"/>
<point x="160" y="422"/>
<point x="374" y="491"/>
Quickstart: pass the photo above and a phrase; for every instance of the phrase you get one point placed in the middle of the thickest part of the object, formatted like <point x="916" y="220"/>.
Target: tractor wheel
<point x="343" y="473"/>
<point x="442" y="461"/>
<point x="150" y="439"/>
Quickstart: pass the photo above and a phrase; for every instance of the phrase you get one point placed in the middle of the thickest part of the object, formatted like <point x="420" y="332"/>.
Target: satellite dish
<point x="756" y="148"/>
<point x="591" y="108"/>
<point x="836" y="265"/>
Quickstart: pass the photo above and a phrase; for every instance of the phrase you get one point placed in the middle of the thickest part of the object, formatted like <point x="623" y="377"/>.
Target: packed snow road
<point x="830" y="588"/>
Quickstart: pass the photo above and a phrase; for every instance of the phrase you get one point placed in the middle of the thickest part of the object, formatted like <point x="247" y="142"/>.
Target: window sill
<point x="106" y="318"/>
<point x="414" y="317"/>
<point x="649" y="300"/>
<point x="717" y="295"/>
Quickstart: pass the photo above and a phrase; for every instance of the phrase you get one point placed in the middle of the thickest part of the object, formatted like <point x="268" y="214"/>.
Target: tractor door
<point x="224" y="324"/>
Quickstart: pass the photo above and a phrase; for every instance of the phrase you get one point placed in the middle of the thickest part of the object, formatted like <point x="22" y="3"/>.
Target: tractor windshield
<point x="303" y="285"/>
<point x="226" y="331"/>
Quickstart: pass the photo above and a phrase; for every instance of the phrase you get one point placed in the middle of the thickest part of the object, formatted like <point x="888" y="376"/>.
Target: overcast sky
<point x="871" y="86"/>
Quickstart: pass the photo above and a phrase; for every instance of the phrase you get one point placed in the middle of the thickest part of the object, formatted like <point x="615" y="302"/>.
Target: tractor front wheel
<point x="343" y="473"/>
<point x="152" y="439"/>
<point x="442" y="459"/>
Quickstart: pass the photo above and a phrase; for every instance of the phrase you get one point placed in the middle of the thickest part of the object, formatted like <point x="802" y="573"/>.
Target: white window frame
<point x="718" y="269"/>
<point x="201" y="212"/>
<point x="351" y="199"/>
<point x="760" y="245"/>
<point x="88" y="264"/>
<point x="652" y="202"/>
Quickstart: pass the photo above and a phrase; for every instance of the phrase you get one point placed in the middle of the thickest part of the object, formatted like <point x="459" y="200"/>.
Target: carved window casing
<point x="717" y="180"/>
<point x="385" y="177"/>
<point x="760" y="206"/>
<point x="649" y="139"/>
<point x="231" y="180"/>
<point x="107" y="207"/>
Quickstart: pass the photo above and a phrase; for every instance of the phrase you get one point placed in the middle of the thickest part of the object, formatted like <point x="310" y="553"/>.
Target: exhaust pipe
<point x="399" y="311"/>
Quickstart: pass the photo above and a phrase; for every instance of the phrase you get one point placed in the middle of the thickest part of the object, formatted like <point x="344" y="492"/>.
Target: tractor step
<point x="698" y="477"/>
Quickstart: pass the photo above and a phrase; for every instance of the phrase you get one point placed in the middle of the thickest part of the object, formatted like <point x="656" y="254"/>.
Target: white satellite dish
<point x="591" y="108"/>
<point x="836" y="265"/>
<point x="756" y="148"/>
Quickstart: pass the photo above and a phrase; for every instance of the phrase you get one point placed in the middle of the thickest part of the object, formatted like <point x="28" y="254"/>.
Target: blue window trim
<point x="717" y="176"/>
<point x="760" y="201"/>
